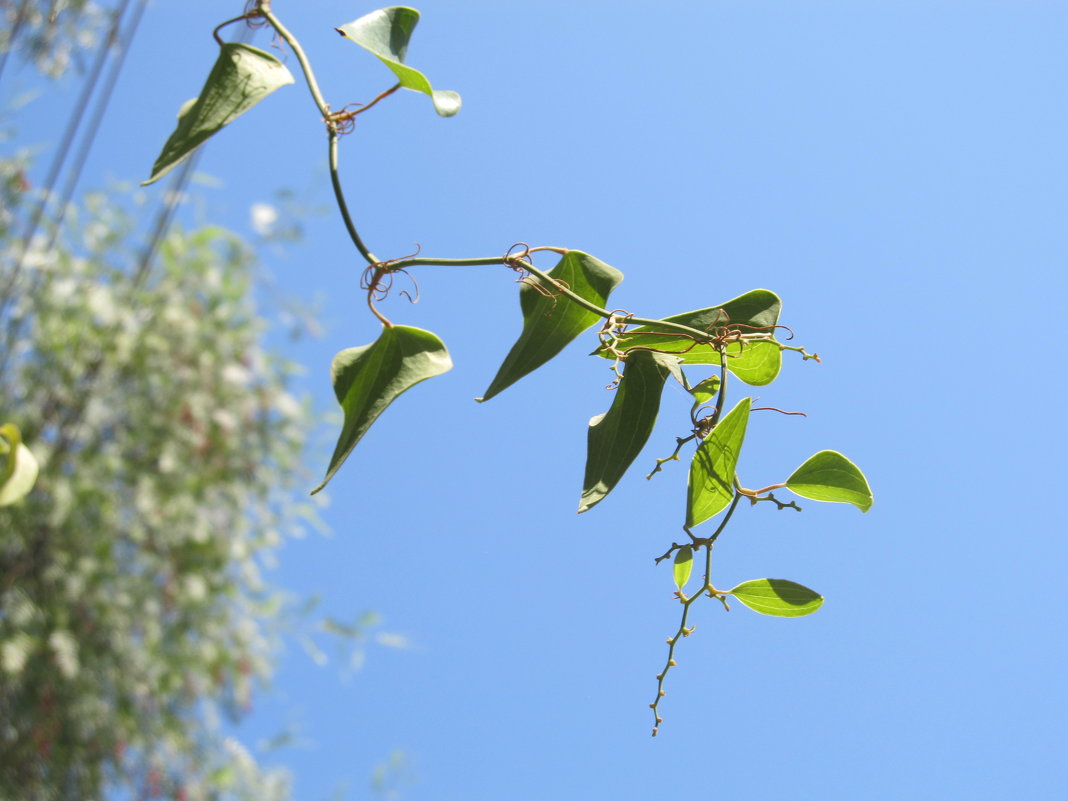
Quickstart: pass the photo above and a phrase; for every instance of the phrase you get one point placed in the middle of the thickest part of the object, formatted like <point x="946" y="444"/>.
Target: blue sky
<point x="897" y="173"/>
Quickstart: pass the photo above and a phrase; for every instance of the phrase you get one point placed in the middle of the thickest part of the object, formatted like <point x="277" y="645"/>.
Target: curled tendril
<point x="415" y="285"/>
<point x="513" y="260"/>
<point x="541" y="289"/>
<point x="344" y="121"/>
<point x="776" y="409"/>
<point x="377" y="279"/>
<point x="253" y="16"/>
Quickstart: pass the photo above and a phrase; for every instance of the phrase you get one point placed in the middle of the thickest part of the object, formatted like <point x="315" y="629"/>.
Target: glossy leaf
<point x="551" y="322"/>
<point x="714" y="464"/>
<point x="19" y="474"/>
<point x="754" y="310"/>
<point x="241" y="78"/>
<point x="386" y="33"/>
<point x="683" y="565"/>
<point x="369" y="378"/>
<point x="829" y="476"/>
<point x="616" y="437"/>
<point x="778" y="597"/>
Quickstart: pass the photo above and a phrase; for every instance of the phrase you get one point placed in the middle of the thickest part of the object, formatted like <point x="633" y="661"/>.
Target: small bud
<point x="662" y="694"/>
<point x="672" y="662"/>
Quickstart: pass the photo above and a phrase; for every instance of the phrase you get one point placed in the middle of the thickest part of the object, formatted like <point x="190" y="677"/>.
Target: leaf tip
<point x="345" y="35"/>
<point x="585" y="506"/>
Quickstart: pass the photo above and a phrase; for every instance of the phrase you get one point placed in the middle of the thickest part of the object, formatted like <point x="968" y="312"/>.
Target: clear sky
<point x="896" y="171"/>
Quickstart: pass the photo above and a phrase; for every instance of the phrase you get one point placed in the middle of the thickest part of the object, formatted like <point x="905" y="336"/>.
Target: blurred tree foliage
<point x="52" y="34"/>
<point x="133" y="616"/>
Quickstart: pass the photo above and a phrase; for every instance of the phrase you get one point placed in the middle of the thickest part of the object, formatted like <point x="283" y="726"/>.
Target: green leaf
<point x="551" y="321"/>
<point x="756" y="363"/>
<point x="714" y="464"/>
<point x="705" y="391"/>
<point x="386" y="33"/>
<point x="683" y="565"/>
<point x="241" y="78"/>
<point x="758" y="309"/>
<point x="829" y="476"/>
<point x="616" y="437"/>
<point x="368" y="378"/>
<point x="777" y="597"/>
<point x="18" y="476"/>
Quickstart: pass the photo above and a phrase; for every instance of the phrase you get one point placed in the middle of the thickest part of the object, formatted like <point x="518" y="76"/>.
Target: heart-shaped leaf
<point x="714" y="464"/>
<point x="369" y="378"/>
<point x="777" y="597"/>
<point x="386" y="33"/>
<point x="683" y="565"/>
<point x="829" y="476"/>
<point x="551" y="321"/>
<point x="18" y="475"/>
<point x="241" y="78"/>
<point x="616" y="437"/>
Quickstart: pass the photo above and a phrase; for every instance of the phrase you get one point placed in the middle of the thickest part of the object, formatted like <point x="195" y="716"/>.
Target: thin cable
<point x="16" y="29"/>
<point x="61" y="152"/>
<point x="89" y="137"/>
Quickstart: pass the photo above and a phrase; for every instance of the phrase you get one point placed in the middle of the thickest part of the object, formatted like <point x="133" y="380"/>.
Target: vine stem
<point x="339" y="194"/>
<point x="264" y="9"/>
<point x="686" y="602"/>
<point x="546" y="279"/>
<point x="721" y="399"/>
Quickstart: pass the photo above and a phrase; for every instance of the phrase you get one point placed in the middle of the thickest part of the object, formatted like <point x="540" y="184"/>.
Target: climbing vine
<point x="708" y="351"/>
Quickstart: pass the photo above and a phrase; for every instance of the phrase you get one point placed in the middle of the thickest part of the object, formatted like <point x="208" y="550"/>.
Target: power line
<point x="89" y="137"/>
<point x="16" y="29"/>
<point x="62" y="149"/>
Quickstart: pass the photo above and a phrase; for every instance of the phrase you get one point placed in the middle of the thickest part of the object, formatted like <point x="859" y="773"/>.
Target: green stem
<point x="339" y="195"/>
<point x="605" y="313"/>
<point x="264" y="8"/>
<point x="548" y="281"/>
<point x="488" y="261"/>
<point x="721" y="399"/>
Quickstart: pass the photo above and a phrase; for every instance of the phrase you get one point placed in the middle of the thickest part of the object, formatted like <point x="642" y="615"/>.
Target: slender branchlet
<point x="707" y="588"/>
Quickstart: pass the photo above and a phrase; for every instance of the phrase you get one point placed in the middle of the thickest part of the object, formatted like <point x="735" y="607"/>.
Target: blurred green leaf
<point x="386" y="33"/>
<point x="20" y="472"/>
<point x="369" y="378"/>
<point x="712" y="470"/>
<point x="777" y="597"/>
<point x="551" y="322"/>
<point x="616" y="437"/>
<point x="241" y="78"/>
<point x="829" y="476"/>
<point x="683" y="565"/>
